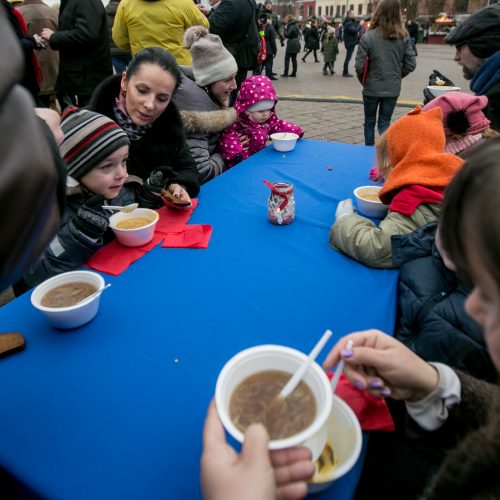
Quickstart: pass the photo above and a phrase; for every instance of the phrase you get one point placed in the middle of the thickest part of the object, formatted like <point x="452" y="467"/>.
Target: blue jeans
<point x="385" y="107"/>
<point x="120" y="63"/>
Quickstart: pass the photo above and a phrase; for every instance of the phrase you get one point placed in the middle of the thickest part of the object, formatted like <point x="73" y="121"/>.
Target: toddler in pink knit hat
<point x="256" y="121"/>
<point x="465" y="124"/>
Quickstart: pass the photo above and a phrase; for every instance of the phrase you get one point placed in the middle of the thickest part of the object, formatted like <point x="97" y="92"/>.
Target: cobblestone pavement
<point x="330" y="107"/>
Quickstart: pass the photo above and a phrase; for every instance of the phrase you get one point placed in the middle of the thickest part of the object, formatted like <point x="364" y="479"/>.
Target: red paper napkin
<point x="173" y="220"/>
<point x="192" y="236"/>
<point x="114" y="258"/>
<point x="172" y="227"/>
<point x="372" y="412"/>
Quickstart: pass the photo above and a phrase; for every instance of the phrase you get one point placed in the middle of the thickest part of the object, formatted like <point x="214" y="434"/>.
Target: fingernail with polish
<point x="359" y="384"/>
<point x="385" y="392"/>
<point x="376" y="384"/>
<point x="346" y="353"/>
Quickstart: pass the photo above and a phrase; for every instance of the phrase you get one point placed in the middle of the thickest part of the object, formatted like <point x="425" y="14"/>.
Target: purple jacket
<point x="254" y="89"/>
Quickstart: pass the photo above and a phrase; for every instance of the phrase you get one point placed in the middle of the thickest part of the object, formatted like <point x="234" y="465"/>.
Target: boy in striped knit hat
<point x="95" y="150"/>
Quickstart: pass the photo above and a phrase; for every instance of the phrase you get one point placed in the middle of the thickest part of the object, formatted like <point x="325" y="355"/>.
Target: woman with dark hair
<point x="139" y="100"/>
<point x="385" y="56"/>
<point x="448" y="412"/>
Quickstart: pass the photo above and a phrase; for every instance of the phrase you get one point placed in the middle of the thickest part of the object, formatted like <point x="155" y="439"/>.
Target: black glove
<point x="435" y="78"/>
<point x="90" y="220"/>
<point x="159" y="179"/>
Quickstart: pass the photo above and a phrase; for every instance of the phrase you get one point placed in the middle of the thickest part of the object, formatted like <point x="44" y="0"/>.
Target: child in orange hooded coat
<point x="411" y="156"/>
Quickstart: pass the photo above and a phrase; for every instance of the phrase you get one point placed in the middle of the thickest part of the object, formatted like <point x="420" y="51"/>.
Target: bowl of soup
<point x="437" y="90"/>
<point x="342" y="449"/>
<point x="247" y="389"/>
<point x="368" y="202"/>
<point x="135" y="228"/>
<point x="284" y="141"/>
<point x="63" y="298"/>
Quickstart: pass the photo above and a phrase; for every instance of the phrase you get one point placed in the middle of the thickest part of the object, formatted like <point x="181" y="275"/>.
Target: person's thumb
<point x="255" y="446"/>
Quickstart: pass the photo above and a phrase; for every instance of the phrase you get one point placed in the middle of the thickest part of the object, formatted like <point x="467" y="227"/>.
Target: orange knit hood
<point x="416" y="145"/>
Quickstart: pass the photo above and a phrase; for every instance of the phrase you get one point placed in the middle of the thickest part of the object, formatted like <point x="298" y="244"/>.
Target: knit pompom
<point x="193" y="34"/>
<point x="457" y="122"/>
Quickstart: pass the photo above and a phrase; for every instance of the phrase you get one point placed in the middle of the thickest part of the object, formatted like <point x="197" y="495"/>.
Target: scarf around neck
<point x="487" y="75"/>
<point x="133" y="131"/>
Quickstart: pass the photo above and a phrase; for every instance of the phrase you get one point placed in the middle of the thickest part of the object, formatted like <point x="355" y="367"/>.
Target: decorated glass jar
<point x="281" y="204"/>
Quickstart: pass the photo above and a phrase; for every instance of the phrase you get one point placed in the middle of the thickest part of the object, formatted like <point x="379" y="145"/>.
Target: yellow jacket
<point x="161" y="23"/>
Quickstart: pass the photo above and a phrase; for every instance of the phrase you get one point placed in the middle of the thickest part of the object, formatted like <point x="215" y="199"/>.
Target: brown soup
<point x="255" y="401"/>
<point x="133" y="223"/>
<point x="67" y="295"/>
<point x="369" y="195"/>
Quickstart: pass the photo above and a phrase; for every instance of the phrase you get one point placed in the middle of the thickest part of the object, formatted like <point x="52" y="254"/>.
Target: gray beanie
<point x="211" y="60"/>
<point x="480" y="31"/>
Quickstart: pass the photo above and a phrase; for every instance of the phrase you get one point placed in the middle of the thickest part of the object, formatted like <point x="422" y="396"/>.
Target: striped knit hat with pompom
<point x="89" y="138"/>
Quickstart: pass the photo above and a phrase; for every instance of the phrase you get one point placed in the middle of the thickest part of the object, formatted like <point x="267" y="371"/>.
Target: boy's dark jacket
<point x="432" y="319"/>
<point x="71" y="247"/>
<point x="164" y="144"/>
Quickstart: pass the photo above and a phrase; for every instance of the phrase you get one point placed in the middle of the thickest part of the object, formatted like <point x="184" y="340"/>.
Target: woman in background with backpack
<point x="385" y="56"/>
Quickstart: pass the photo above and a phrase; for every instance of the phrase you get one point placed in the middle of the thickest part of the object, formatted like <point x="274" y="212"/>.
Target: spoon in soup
<point x="126" y="209"/>
<point x="299" y="374"/>
<point x="92" y="295"/>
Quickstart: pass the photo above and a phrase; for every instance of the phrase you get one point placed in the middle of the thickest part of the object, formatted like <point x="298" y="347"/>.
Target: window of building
<point x="319" y="11"/>
<point x="360" y="9"/>
<point x="338" y="11"/>
<point x="343" y="10"/>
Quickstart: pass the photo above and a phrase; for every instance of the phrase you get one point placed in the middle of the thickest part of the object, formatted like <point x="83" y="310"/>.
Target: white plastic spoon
<point x="92" y="295"/>
<point x="297" y="376"/>
<point x="127" y="209"/>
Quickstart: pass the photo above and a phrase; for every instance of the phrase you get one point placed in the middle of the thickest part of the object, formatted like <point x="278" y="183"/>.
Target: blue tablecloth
<point x="114" y="409"/>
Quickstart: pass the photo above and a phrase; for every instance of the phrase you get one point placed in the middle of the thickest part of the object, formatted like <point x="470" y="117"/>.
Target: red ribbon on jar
<point x="281" y="203"/>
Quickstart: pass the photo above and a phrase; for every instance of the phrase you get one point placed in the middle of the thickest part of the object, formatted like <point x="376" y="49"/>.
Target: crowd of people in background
<point x="164" y="96"/>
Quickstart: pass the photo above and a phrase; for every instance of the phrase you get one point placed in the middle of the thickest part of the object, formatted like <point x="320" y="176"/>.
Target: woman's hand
<point x="383" y="366"/>
<point x="245" y="142"/>
<point x="178" y="192"/>
<point x="255" y="473"/>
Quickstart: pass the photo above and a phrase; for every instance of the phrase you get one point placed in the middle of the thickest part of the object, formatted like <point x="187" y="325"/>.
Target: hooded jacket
<point x="71" y="248"/>
<point x="164" y="144"/>
<point x="160" y="23"/>
<point x="254" y="89"/>
<point x="415" y="144"/>
<point x="432" y="320"/>
<point x="204" y="119"/>
<point x="389" y="61"/>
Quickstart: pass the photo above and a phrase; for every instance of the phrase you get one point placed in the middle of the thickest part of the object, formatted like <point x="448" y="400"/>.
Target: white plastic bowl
<point x="73" y="316"/>
<point x="437" y="90"/>
<point x="284" y="141"/>
<point x="276" y="357"/>
<point x="344" y="435"/>
<point x="135" y="237"/>
<point x="369" y="208"/>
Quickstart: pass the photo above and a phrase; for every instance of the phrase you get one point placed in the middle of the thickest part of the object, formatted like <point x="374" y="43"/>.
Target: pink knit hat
<point x="462" y="113"/>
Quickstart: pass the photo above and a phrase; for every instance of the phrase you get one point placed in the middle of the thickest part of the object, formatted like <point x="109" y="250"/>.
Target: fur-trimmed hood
<point x="200" y="114"/>
<point x="208" y="122"/>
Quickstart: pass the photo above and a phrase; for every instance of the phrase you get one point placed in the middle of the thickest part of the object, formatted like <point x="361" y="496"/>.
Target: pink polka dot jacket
<point x="254" y="89"/>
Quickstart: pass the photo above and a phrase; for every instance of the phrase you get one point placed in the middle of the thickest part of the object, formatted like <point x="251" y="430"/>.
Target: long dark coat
<point x="83" y="44"/>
